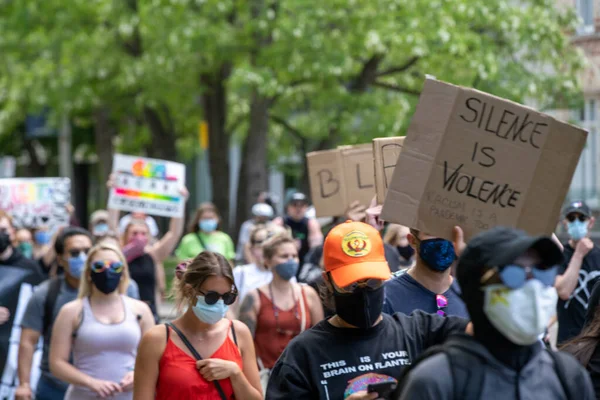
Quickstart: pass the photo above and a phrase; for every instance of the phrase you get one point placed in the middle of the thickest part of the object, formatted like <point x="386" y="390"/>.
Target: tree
<point x="281" y="77"/>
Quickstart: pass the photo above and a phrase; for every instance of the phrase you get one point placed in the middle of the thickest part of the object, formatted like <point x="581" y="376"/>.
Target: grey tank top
<point x="105" y="352"/>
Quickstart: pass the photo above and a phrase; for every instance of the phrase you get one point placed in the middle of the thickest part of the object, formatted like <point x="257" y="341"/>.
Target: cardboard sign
<point x="476" y="160"/>
<point x="147" y="185"/>
<point x="36" y="202"/>
<point x="385" y="156"/>
<point x="339" y="177"/>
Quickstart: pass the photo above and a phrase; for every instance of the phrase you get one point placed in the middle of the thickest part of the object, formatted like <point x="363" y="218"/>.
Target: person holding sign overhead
<point x="203" y="234"/>
<point x="145" y="260"/>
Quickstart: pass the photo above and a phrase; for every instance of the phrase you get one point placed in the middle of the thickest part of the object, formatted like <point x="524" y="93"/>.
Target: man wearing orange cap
<point x="359" y="348"/>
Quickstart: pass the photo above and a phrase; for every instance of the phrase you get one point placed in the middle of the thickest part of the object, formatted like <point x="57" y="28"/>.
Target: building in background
<point x="586" y="181"/>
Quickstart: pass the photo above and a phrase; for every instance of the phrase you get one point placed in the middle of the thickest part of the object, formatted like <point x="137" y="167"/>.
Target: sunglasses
<point x="515" y="276"/>
<point x="573" y="217"/>
<point x="101" y="266"/>
<point x="369" y="284"/>
<point x="442" y="304"/>
<point x="212" y="297"/>
<point x="76" y="252"/>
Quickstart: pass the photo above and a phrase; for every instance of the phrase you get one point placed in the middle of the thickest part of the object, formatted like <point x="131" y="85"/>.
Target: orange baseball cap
<point x="353" y="251"/>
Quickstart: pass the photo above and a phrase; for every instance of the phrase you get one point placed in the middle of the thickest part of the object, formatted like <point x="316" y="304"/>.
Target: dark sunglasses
<point x="212" y="297"/>
<point x="442" y="304"/>
<point x="573" y="217"/>
<point x="515" y="276"/>
<point x="100" y="266"/>
<point x="369" y="284"/>
<point x="76" y="252"/>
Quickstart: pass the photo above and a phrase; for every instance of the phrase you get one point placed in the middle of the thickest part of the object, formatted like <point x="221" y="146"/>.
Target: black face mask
<point x="360" y="308"/>
<point x="406" y="251"/>
<point x="4" y="241"/>
<point x="106" y="281"/>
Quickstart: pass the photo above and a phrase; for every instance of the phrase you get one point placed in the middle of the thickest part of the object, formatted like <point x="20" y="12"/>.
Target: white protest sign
<point x="147" y="185"/>
<point x="36" y="202"/>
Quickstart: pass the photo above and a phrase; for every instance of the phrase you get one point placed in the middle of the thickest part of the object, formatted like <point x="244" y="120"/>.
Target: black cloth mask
<point x="360" y="308"/>
<point x="4" y="241"/>
<point x="406" y="251"/>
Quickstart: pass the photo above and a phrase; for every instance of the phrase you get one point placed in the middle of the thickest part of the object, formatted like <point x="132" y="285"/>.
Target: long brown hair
<point x="205" y="265"/>
<point x="583" y="346"/>
<point x="202" y="208"/>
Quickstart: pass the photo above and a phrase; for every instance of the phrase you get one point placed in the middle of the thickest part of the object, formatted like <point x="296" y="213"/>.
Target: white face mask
<point x="521" y="315"/>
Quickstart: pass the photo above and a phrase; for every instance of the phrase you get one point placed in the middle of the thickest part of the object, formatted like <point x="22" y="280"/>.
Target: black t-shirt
<point x="143" y="271"/>
<point x="326" y="362"/>
<point x="299" y="232"/>
<point x="571" y="313"/>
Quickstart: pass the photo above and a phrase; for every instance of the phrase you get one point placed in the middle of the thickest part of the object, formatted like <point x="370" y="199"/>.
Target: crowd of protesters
<point x="350" y="308"/>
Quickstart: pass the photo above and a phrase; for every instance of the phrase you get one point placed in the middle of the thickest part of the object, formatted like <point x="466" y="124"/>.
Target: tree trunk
<point x="254" y="172"/>
<point x="104" y="133"/>
<point x="163" y="141"/>
<point x="214" y="103"/>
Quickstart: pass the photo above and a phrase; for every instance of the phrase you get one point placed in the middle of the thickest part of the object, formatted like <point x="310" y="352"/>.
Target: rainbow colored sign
<point x="36" y="202"/>
<point x="147" y="185"/>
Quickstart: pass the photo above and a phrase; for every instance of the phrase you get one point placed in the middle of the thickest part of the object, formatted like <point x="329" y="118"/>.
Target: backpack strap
<point x="196" y="355"/>
<point x="465" y="368"/>
<point x="53" y="291"/>
<point x="201" y="241"/>
<point x="562" y="371"/>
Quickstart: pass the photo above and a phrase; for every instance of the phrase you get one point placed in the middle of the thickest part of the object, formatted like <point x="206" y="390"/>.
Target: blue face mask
<point x="437" y="254"/>
<point x="76" y="265"/>
<point x="208" y="225"/>
<point x="577" y="229"/>
<point x="210" y="314"/>
<point x="42" y="237"/>
<point x="287" y="270"/>
<point x="100" y="229"/>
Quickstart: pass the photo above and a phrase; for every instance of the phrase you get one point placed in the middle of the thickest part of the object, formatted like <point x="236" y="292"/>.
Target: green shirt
<point x="218" y="242"/>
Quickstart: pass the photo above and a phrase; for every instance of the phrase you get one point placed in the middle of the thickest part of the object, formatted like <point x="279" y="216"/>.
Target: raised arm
<point x="60" y="351"/>
<point x="315" y="236"/>
<point x="165" y="246"/>
<point x="567" y="281"/>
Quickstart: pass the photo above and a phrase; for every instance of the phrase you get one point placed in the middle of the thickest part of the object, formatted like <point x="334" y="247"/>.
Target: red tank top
<point x="178" y="377"/>
<point x="272" y="336"/>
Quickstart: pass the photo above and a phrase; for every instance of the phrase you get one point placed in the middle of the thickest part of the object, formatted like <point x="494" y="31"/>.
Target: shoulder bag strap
<point x="53" y="291"/>
<point x="196" y="355"/>
<point x="233" y="334"/>
<point x="201" y="241"/>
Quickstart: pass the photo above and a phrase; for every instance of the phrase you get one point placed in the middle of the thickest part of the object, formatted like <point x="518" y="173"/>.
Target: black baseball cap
<point x="578" y="207"/>
<point x="298" y="197"/>
<point x="501" y="246"/>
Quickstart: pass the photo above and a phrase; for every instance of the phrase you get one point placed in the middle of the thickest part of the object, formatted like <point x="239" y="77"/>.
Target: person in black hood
<point x="9" y="254"/>
<point x="507" y="281"/>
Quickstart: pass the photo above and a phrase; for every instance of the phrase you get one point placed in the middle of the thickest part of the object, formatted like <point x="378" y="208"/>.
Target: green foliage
<point x="335" y="71"/>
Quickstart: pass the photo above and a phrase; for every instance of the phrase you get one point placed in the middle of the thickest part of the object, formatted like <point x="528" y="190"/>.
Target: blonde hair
<point x="205" y="265"/>
<point x="273" y="243"/>
<point x="85" y="284"/>
<point x="132" y="222"/>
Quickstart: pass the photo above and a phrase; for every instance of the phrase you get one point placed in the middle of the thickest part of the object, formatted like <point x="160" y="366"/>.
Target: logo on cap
<point x="356" y="244"/>
<point x="577" y="204"/>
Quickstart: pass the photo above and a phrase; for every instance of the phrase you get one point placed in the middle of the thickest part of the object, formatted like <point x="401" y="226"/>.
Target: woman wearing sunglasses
<point x="200" y="355"/>
<point x="101" y="329"/>
<point x="280" y="310"/>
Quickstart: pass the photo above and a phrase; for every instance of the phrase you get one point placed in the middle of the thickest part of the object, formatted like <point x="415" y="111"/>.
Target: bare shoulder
<point x="251" y="302"/>
<point x="155" y="338"/>
<point x="241" y="329"/>
<point x="309" y="292"/>
<point x="138" y="306"/>
<point x="72" y="308"/>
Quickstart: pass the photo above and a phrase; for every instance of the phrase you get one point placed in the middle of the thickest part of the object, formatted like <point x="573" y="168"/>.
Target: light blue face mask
<point x="42" y="237"/>
<point x="208" y="225"/>
<point x="76" y="265"/>
<point x="577" y="229"/>
<point x="210" y="314"/>
<point x="100" y="229"/>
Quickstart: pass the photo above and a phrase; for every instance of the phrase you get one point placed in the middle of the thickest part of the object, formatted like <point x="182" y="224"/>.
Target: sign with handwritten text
<point x="339" y="177"/>
<point x="385" y="155"/>
<point x="147" y="185"/>
<point x="36" y="202"/>
<point x="476" y="160"/>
